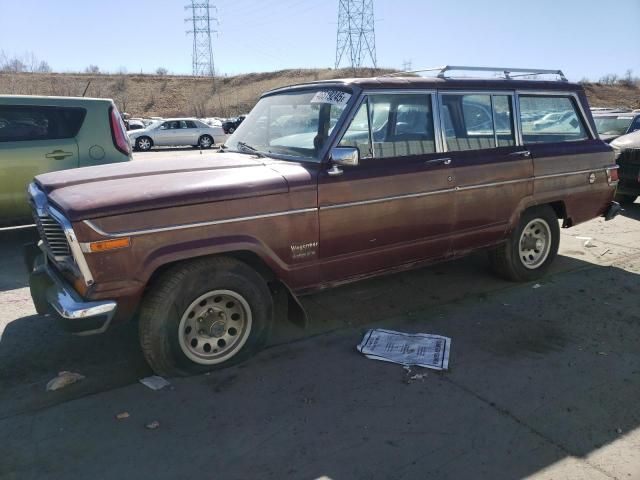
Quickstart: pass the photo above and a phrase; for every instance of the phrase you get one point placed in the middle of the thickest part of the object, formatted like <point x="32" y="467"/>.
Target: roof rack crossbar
<point x="506" y="71"/>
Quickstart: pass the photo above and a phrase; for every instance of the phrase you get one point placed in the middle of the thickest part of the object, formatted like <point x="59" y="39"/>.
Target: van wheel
<point x="204" y="314"/>
<point x="530" y="249"/>
<point x="625" y="199"/>
<point x="144" y="144"/>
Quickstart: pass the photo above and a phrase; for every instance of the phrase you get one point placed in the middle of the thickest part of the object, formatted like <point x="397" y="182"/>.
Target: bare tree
<point x="94" y="69"/>
<point x="161" y="71"/>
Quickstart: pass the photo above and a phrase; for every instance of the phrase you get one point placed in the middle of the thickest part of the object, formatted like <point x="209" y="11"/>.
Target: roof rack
<point x="506" y="71"/>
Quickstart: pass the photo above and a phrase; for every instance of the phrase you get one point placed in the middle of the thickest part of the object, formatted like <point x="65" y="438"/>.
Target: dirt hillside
<point x="153" y="95"/>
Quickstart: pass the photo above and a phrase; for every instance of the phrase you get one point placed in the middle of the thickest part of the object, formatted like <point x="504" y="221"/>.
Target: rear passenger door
<point x="492" y="173"/>
<point x="33" y="140"/>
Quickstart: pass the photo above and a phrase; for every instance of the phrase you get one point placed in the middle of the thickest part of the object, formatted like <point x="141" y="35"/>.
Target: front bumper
<point x="52" y="295"/>
<point x="612" y="211"/>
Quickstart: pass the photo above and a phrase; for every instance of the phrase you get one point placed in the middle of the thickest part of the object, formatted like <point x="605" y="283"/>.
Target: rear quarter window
<point x="551" y="119"/>
<point x="29" y="123"/>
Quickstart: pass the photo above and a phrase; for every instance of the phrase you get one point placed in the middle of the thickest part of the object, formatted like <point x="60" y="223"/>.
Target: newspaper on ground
<point x="420" y="349"/>
<point x="154" y="382"/>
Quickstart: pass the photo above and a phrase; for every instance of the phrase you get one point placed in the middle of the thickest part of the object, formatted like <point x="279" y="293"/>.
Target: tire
<point x="231" y="130"/>
<point x="205" y="141"/>
<point x="537" y="254"/>
<point x="625" y="199"/>
<point x="225" y="299"/>
<point x="144" y="144"/>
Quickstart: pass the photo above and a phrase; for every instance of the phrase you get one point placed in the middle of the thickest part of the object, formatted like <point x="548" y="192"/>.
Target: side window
<point x="401" y="125"/>
<point x="165" y="126"/>
<point x="550" y="119"/>
<point x="477" y="121"/>
<point x="357" y="135"/>
<point x="636" y="124"/>
<point x="27" y="123"/>
<point x="190" y="124"/>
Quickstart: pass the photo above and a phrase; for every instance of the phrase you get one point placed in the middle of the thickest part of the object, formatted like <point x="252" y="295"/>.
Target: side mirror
<point x="344" y="157"/>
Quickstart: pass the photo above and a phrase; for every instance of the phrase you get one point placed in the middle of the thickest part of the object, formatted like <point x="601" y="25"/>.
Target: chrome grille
<point x="52" y="234"/>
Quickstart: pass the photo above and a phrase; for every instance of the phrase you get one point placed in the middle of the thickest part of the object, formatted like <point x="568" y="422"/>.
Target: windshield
<point x="612" y="125"/>
<point x="296" y="124"/>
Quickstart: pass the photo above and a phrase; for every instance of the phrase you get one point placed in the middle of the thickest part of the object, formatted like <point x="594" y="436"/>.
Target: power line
<point x="356" y="32"/>
<point x="201" y="21"/>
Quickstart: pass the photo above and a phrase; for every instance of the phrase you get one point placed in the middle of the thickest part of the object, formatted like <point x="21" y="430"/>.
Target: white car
<point x="175" y="132"/>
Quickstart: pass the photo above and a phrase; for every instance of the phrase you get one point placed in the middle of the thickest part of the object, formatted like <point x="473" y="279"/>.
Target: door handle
<point x="58" y="155"/>
<point x="438" y="161"/>
<point x="521" y="153"/>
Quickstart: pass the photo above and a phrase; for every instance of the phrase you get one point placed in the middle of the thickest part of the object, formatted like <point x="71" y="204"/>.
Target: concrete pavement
<point x="543" y="383"/>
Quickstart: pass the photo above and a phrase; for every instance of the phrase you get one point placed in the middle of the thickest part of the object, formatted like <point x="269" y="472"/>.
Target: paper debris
<point x="537" y="285"/>
<point x="63" y="379"/>
<point x="420" y="349"/>
<point x="154" y="382"/>
<point x="122" y="415"/>
<point x="152" y="425"/>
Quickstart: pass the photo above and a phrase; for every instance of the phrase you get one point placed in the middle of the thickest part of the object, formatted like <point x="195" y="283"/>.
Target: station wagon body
<point x="322" y="184"/>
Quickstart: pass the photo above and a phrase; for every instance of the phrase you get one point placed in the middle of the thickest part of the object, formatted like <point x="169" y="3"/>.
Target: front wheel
<point x="205" y="141"/>
<point x="530" y="249"/>
<point x="204" y="314"/>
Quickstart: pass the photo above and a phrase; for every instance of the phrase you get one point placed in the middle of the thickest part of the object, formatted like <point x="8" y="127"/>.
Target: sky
<point x="585" y="38"/>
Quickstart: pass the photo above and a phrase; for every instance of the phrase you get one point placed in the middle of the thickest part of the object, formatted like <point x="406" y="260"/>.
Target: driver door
<point x="396" y="207"/>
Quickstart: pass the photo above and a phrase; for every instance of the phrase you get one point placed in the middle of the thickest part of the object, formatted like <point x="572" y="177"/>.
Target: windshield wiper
<point x="245" y="147"/>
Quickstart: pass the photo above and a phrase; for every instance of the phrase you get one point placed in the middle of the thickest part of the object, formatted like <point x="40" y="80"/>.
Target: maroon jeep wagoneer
<point x="322" y="184"/>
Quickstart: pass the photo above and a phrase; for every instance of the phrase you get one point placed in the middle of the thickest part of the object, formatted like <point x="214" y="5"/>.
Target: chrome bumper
<point x="53" y="295"/>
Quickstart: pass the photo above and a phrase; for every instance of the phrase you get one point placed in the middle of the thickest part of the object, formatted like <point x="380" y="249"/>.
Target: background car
<point x="175" y="132"/>
<point x="231" y="124"/>
<point x="627" y="151"/>
<point x="43" y="134"/>
<point x="612" y="124"/>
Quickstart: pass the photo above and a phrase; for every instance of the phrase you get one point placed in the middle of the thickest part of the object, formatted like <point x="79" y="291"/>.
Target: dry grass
<point x="166" y="96"/>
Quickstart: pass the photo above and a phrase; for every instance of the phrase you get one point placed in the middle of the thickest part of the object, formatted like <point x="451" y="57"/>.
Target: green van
<point x="43" y="134"/>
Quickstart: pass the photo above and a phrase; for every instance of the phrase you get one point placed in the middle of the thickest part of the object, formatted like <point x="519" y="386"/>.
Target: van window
<point x="357" y="135"/>
<point x="549" y="119"/>
<point x="477" y="121"/>
<point x="28" y="123"/>
<point x="401" y="126"/>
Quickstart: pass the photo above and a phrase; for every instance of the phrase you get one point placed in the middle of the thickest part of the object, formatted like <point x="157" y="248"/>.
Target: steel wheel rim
<point x="220" y="319"/>
<point x="535" y="243"/>
<point x="205" y="142"/>
<point x="144" y="144"/>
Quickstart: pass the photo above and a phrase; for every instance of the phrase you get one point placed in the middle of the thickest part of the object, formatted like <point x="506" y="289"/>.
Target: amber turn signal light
<point x="104" y="245"/>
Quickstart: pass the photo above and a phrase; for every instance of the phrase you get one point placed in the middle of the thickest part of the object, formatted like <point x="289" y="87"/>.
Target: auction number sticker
<point x="333" y="97"/>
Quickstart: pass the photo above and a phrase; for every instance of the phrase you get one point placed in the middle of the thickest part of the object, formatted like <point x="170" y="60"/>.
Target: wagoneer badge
<point x="303" y="250"/>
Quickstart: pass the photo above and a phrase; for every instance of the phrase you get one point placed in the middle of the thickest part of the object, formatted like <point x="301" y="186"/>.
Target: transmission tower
<point x="201" y="21"/>
<point x="356" y="32"/>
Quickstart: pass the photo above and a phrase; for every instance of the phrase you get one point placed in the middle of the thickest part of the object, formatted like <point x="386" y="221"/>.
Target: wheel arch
<point x="286" y="302"/>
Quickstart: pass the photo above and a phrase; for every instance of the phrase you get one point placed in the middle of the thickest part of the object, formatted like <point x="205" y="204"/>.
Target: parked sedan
<point x="176" y="132"/>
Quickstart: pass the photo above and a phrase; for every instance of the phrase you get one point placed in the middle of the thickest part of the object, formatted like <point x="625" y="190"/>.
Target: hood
<point x="113" y="189"/>
<point x="630" y="140"/>
<point x="608" y="138"/>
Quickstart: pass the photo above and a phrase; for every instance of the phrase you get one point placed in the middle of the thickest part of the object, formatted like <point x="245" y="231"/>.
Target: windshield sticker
<point x="333" y="97"/>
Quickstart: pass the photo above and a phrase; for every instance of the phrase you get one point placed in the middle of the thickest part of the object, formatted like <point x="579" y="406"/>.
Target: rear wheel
<point x="531" y="248"/>
<point x="205" y="141"/>
<point x="144" y="143"/>
<point x="625" y="199"/>
<point x="204" y="314"/>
